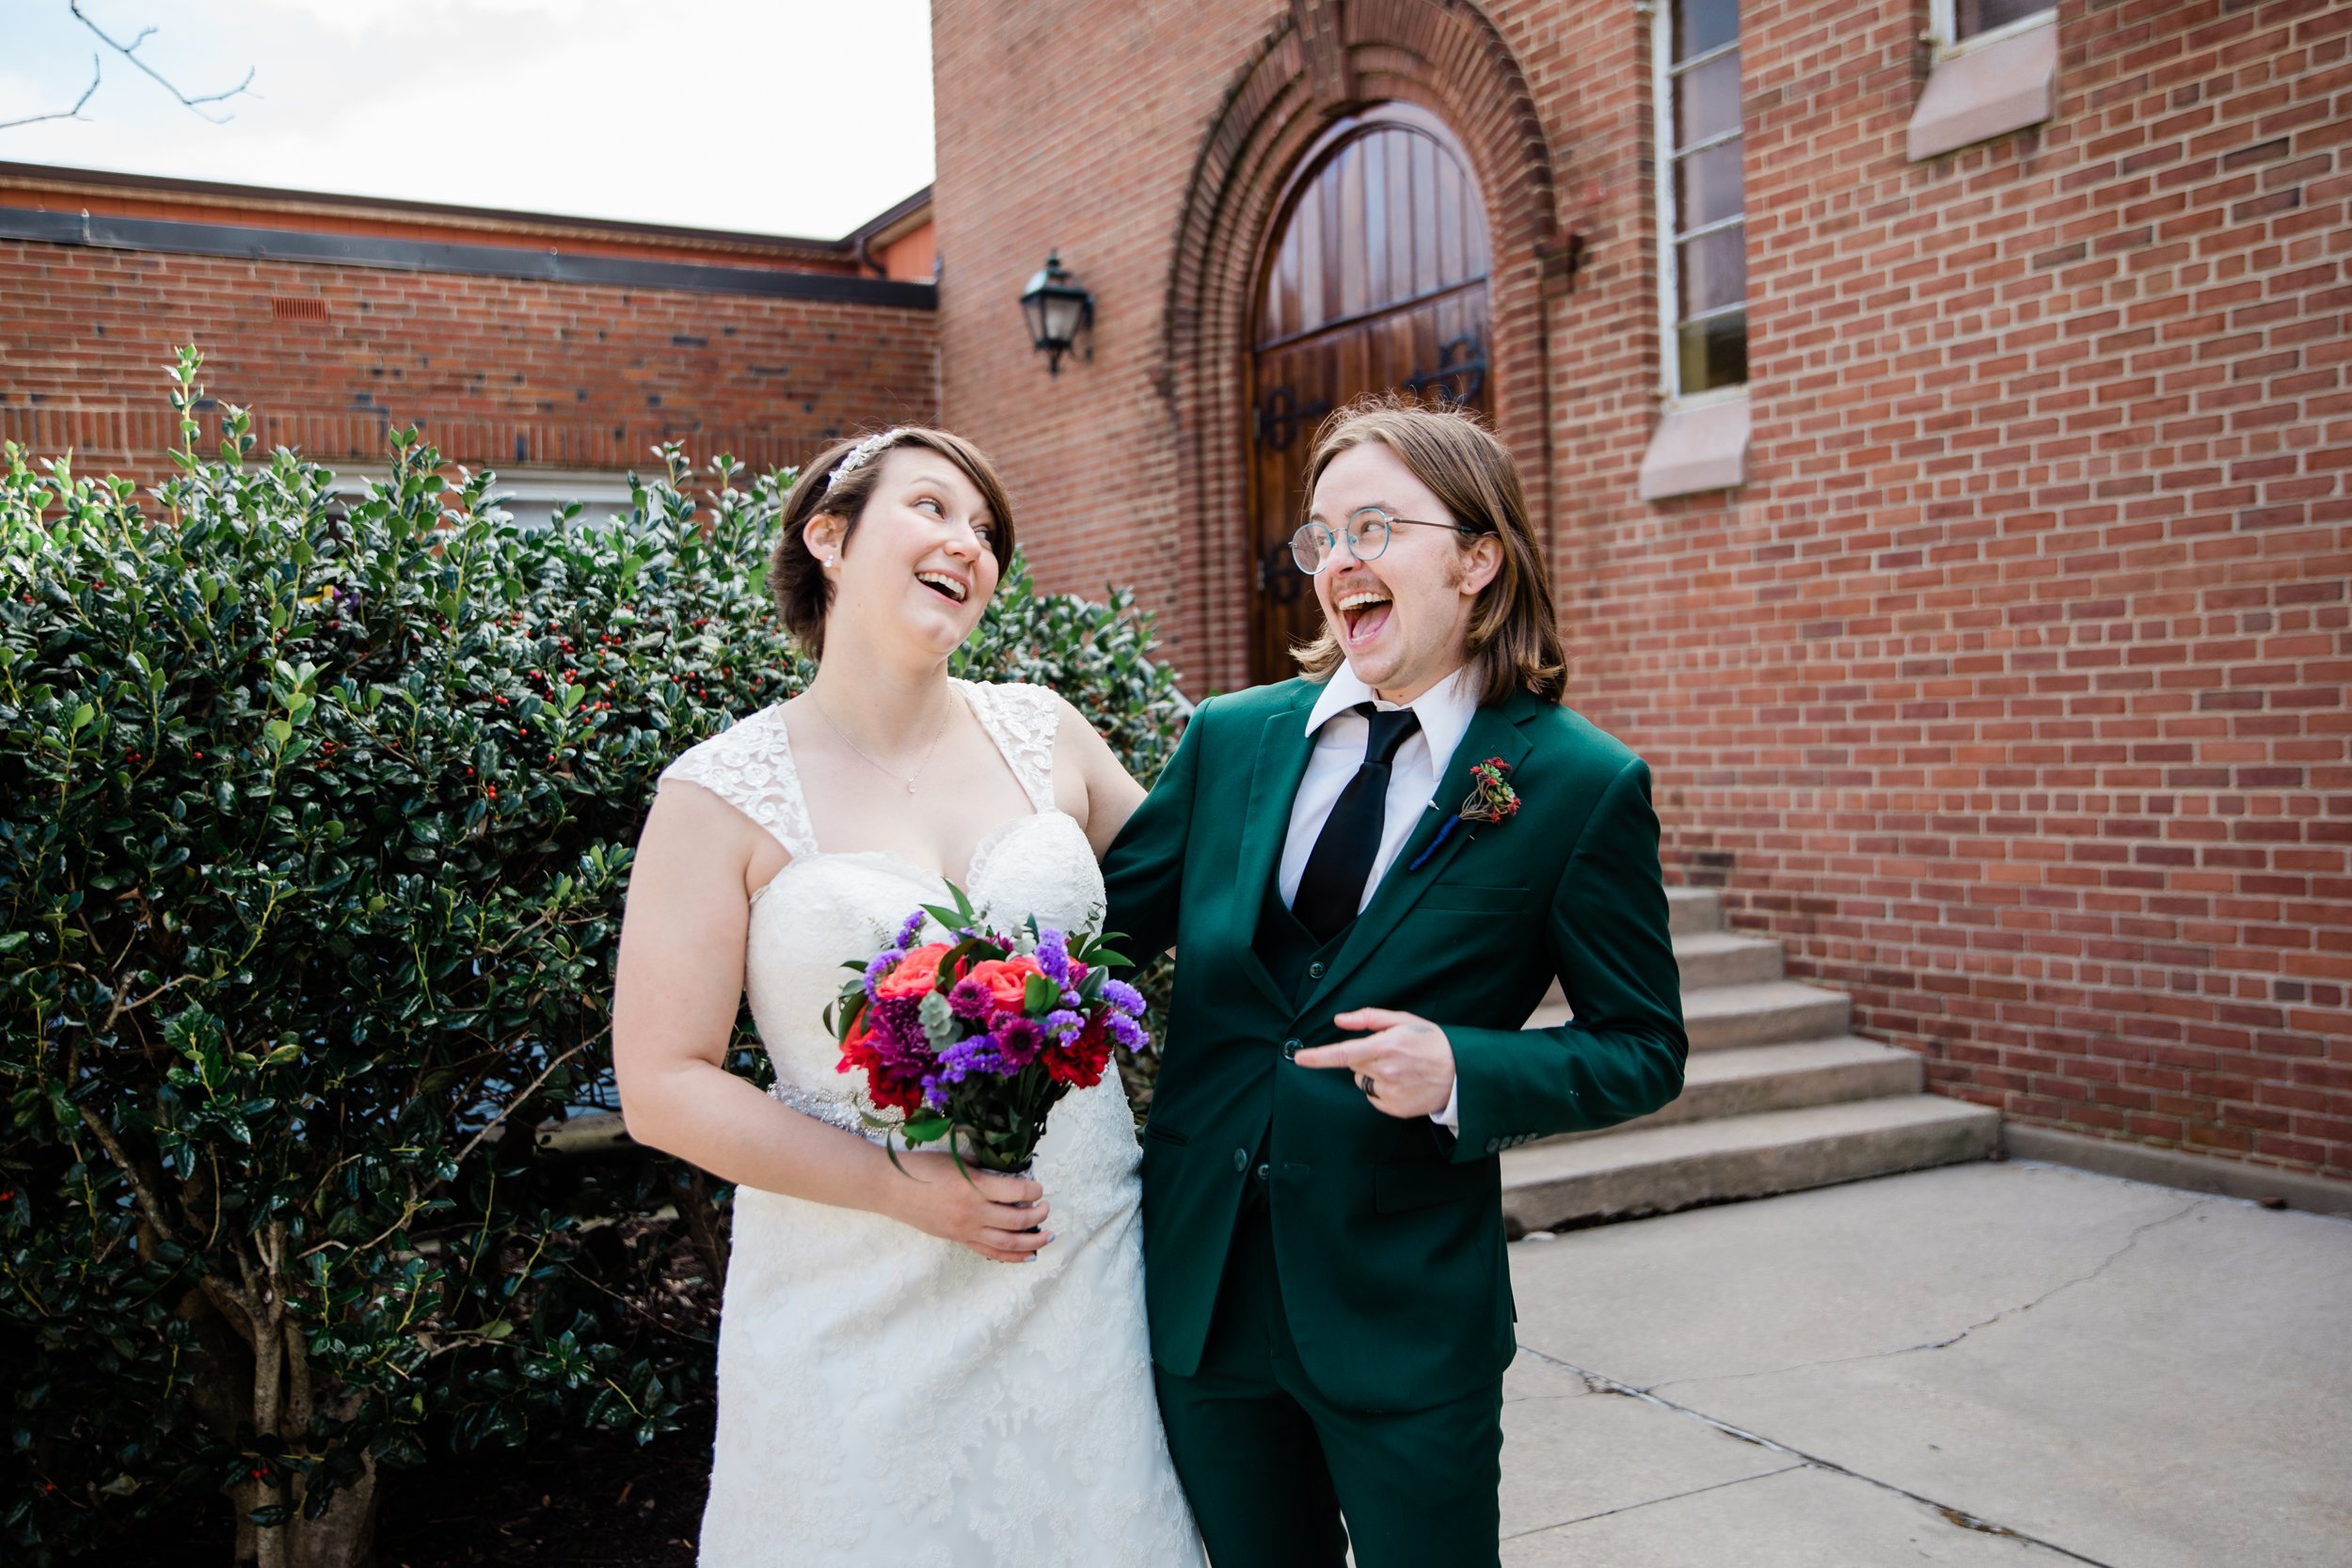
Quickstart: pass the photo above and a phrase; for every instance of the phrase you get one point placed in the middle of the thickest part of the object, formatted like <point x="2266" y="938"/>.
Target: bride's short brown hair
<point x="1515" y="635"/>
<point x="797" y="580"/>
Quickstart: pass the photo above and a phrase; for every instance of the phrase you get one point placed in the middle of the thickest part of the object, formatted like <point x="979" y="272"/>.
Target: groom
<point x="1372" y="875"/>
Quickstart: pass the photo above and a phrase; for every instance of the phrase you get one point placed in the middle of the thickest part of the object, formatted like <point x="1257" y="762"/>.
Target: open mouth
<point x="947" y="587"/>
<point x="1364" y="611"/>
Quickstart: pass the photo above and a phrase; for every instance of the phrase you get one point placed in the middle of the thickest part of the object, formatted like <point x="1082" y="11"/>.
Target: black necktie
<point x="1333" y="883"/>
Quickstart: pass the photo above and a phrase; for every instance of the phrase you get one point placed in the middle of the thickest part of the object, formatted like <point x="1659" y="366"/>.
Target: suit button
<point x="1315" y="971"/>
<point x="1494" y="1145"/>
<point x="1264" y="1172"/>
<point x="1290" y="1051"/>
<point x="1241" y="1159"/>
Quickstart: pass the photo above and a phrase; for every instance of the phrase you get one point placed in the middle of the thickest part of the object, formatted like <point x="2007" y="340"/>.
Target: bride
<point x="914" y="1365"/>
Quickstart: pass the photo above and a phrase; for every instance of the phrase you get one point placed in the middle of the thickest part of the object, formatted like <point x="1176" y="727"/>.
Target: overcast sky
<point x="789" y="116"/>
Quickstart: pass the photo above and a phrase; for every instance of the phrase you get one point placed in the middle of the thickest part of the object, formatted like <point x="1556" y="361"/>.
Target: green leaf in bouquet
<point x="855" y="1002"/>
<point x="1039" y="996"/>
<point x="928" y="1127"/>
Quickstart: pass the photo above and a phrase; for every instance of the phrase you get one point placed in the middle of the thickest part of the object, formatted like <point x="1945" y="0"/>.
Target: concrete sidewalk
<point x="2010" y="1364"/>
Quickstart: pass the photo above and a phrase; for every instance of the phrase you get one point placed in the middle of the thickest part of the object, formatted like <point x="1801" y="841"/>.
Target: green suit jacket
<point x="1388" y="1232"/>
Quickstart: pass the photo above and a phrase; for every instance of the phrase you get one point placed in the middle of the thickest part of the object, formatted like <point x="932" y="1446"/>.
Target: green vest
<point x="1388" y="1231"/>
<point x="1290" y="951"/>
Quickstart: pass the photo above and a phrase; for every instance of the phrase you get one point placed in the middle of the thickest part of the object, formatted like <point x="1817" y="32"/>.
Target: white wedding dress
<point x="886" y="1396"/>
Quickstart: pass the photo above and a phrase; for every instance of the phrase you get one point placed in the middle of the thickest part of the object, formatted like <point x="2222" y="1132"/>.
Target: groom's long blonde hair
<point x="1515" y="635"/>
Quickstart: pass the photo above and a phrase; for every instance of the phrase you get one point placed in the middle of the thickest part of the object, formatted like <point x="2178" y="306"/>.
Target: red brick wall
<point x="1074" y="125"/>
<point x="2010" y="689"/>
<point x="500" y="373"/>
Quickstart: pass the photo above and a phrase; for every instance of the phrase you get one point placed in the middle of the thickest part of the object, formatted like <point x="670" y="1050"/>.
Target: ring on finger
<point x="1365" y="1082"/>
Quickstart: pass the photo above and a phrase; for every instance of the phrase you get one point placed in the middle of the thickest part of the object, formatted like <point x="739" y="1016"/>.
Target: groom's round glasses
<point x="1368" y="530"/>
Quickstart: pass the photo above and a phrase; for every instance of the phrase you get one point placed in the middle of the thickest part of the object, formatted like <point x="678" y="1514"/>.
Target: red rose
<point x="917" y="974"/>
<point x="1007" y="979"/>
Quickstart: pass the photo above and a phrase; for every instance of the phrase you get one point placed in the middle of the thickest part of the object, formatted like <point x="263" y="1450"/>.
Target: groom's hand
<point x="1408" y="1061"/>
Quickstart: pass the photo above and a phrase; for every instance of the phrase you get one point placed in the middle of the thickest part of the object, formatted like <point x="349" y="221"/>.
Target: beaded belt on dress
<point x="831" y="1111"/>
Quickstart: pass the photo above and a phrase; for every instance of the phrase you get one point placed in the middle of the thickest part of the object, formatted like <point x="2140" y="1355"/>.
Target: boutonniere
<point x="1492" y="799"/>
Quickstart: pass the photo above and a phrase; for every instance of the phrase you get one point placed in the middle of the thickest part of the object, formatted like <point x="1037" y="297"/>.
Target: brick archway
<point x="1321" y="61"/>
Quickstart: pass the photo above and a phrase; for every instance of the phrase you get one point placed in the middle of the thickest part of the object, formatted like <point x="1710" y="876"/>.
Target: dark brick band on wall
<point x="508" y="358"/>
<point x="2010" y="688"/>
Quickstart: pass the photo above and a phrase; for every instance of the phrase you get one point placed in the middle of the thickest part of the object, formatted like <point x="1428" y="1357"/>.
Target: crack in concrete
<point x="1600" y="1382"/>
<point x="1951" y="1339"/>
<point x="1652" y="1503"/>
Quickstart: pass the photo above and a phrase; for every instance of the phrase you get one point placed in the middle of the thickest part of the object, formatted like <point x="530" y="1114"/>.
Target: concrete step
<point x="1654" y="1170"/>
<point x="1765" y="1013"/>
<point x="1755" y="1078"/>
<point x="1692" y="909"/>
<point x="1725" y="958"/>
<point x="1710" y="958"/>
<point x="1723" y="1018"/>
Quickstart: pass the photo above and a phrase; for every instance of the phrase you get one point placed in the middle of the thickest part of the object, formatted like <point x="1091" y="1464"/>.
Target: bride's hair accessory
<point x="863" y="453"/>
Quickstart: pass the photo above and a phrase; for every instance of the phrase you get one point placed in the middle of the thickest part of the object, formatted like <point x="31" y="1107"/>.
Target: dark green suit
<point x="1378" y="1243"/>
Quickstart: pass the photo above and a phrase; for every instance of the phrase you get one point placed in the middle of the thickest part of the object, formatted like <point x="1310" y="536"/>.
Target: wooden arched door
<point x="1374" y="277"/>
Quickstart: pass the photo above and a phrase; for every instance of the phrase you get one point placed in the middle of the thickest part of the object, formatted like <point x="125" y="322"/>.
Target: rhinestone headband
<point x="863" y="453"/>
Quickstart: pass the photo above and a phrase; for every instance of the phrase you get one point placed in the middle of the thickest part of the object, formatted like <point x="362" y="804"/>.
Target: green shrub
<point x="314" y="827"/>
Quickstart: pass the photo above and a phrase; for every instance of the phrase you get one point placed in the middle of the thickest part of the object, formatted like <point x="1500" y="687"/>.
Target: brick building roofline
<point x="893" y="222"/>
<point x="283" y="205"/>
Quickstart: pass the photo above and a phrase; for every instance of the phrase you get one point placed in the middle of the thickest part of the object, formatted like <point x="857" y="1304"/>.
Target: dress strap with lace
<point x="750" y="768"/>
<point x="1023" y="719"/>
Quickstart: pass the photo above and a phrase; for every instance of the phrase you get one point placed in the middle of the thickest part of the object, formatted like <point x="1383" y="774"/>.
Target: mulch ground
<point x="601" y="1502"/>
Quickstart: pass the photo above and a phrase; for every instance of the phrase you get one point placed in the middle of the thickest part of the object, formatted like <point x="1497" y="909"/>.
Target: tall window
<point x="1704" y="286"/>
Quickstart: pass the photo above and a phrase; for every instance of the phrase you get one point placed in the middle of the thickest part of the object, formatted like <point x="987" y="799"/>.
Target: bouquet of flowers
<point x="980" y="1033"/>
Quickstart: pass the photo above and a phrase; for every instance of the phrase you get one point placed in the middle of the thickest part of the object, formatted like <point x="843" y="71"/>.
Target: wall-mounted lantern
<point x="1057" y="310"/>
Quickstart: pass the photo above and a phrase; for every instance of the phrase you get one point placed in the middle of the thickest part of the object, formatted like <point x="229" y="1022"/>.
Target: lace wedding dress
<point x="886" y="1396"/>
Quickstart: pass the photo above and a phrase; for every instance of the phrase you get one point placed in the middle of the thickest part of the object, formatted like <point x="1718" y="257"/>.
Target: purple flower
<point x="1127" y="1032"/>
<point x="1119" y="994"/>
<point x="1064" y="1025"/>
<point x="912" y="930"/>
<point x="1053" y="956"/>
<point x="882" y="964"/>
<point x="899" y="1027"/>
<point x="969" y="1000"/>
<point x="977" y="1054"/>
<point x="1018" y="1039"/>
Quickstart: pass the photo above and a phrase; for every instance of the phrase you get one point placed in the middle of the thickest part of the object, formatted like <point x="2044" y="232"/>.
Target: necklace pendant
<point x="910" y="787"/>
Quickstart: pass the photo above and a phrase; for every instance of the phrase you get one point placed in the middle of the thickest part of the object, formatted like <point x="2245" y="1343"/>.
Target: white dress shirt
<point x="1341" y="737"/>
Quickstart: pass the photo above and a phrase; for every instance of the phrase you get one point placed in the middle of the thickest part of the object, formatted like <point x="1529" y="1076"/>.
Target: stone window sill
<point x="1698" y="447"/>
<point x="1988" y="89"/>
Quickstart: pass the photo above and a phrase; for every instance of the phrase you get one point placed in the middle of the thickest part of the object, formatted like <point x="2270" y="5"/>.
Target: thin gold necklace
<point x="945" y="714"/>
